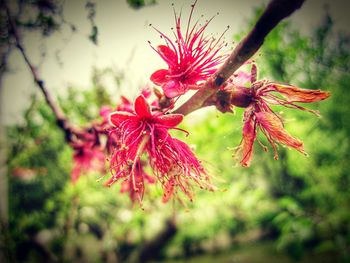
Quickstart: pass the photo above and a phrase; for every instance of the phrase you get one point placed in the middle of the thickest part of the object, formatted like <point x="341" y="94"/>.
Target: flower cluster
<point x="138" y="138"/>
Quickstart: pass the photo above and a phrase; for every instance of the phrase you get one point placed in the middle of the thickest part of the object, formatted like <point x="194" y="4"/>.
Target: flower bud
<point x="241" y="96"/>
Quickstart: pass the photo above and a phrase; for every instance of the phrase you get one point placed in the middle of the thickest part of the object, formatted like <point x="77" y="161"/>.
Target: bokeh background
<point x="293" y="209"/>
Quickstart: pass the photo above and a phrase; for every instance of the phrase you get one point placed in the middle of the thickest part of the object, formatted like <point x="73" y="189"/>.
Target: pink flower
<point x="145" y="131"/>
<point x="192" y="58"/>
<point x="87" y="158"/>
<point x="259" y="115"/>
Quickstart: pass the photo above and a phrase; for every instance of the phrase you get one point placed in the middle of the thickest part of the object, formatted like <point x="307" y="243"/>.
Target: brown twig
<point x="61" y="119"/>
<point x="276" y="11"/>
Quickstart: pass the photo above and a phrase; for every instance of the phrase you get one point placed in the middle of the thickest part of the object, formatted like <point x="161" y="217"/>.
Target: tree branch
<point x="61" y="119"/>
<point x="151" y="249"/>
<point x="274" y="13"/>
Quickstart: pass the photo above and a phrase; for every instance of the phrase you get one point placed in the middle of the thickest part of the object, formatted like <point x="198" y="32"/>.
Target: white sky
<point x="123" y="31"/>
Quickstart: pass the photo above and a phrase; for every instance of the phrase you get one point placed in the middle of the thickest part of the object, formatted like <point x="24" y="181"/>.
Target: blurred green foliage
<point x="300" y="204"/>
<point x="137" y="4"/>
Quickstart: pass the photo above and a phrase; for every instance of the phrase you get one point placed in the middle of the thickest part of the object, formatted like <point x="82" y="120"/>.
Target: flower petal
<point x="142" y="107"/>
<point x="149" y="179"/>
<point x="249" y="136"/>
<point x="167" y="54"/>
<point x="146" y="92"/>
<point x="173" y="89"/>
<point x="170" y="120"/>
<point x="240" y="79"/>
<point x="125" y="100"/>
<point x="295" y="94"/>
<point x="137" y="181"/>
<point x="274" y="128"/>
<point x="125" y="105"/>
<point x="75" y="174"/>
<point x="117" y="117"/>
<point x="104" y="112"/>
<point x="125" y="186"/>
<point x="159" y="77"/>
<point x="169" y="188"/>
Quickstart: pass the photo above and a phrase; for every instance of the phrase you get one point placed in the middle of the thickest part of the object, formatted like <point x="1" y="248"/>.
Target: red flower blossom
<point x="147" y="132"/>
<point x="192" y="58"/>
<point x="259" y="115"/>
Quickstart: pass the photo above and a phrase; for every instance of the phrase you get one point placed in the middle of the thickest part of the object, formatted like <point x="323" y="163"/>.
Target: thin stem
<point x="274" y="13"/>
<point x="61" y="119"/>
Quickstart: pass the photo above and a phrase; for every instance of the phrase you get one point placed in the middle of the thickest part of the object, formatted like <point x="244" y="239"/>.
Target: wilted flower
<point x="144" y="131"/>
<point x="259" y="115"/>
<point x="192" y="58"/>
